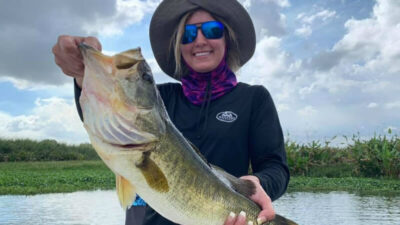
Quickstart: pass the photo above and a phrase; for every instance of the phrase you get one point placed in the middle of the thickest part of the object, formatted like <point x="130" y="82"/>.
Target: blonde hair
<point x="231" y="41"/>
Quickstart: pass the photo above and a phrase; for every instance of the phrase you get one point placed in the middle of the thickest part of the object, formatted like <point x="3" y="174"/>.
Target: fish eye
<point x="147" y="77"/>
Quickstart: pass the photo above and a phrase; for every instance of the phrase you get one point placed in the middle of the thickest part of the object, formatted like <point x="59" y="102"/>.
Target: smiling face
<point x="203" y="54"/>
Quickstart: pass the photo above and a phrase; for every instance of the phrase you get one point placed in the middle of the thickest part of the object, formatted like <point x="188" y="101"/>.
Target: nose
<point x="200" y="39"/>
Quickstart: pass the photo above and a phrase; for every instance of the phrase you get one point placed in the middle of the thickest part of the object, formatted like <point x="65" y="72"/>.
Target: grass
<point x="17" y="150"/>
<point x="27" y="178"/>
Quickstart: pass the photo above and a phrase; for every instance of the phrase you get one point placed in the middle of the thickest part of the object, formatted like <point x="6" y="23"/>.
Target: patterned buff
<point x="195" y="84"/>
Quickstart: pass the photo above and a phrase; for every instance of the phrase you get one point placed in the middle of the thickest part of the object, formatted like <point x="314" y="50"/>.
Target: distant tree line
<point x="46" y="150"/>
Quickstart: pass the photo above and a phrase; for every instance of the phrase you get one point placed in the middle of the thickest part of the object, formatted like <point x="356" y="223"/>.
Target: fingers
<point x="267" y="213"/>
<point x="231" y="219"/>
<point x="68" y="56"/>
<point x="240" y="219"/>
<point x="93" y="41"/>
<point x="263" y="200"/>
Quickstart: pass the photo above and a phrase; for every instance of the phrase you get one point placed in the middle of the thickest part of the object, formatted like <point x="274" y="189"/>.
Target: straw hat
<point x="168" y="14"/>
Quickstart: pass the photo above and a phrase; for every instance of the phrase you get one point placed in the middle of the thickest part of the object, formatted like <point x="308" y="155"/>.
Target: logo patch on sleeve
<point x="227" y="116"/>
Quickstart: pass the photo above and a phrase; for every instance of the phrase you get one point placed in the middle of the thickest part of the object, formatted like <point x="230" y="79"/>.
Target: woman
<point x="201" y="44"/>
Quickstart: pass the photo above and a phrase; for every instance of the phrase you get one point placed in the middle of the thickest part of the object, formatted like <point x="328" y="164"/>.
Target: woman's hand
<point x="68" y="56"/>
<point x="261" y="198"/>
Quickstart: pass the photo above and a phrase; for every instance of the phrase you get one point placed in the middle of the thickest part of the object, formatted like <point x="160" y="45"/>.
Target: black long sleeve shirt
<point x="237" y="129"/>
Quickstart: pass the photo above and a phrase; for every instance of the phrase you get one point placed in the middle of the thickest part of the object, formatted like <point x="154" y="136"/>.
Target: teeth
<point x="201" y="53"/>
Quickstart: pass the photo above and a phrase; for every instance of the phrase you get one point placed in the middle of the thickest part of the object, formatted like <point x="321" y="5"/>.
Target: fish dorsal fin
<point x="126" y="191"/>
<point x="244" y="187"/>
<point x="198" y="152"/>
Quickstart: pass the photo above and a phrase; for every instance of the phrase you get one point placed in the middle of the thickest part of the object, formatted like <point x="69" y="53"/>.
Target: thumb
<point x="267" y="213"/>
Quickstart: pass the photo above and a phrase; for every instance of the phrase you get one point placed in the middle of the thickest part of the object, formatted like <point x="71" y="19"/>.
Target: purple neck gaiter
<point x="221" y="81"/>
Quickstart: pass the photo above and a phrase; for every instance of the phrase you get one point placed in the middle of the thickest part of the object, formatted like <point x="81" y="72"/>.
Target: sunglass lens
<point x="212" y="29"/>
<point x="190" y="34"/>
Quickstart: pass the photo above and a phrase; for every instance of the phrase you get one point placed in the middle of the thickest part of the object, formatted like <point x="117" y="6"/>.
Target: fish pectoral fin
<point x="243" y="187"/>
<point x="126" y="191"/>
<point x="154" y="176"/>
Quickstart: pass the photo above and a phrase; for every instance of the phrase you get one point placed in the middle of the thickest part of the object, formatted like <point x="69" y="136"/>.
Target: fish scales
<point x="130" y="130"/>
<point x="195" y="184"/>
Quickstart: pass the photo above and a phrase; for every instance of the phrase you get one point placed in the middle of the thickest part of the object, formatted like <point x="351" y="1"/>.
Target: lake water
<point x="102" y="208"/>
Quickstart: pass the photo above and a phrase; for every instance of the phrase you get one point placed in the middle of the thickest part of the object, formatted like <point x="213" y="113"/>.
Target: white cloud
<point x="304" y="31"/>
<point x="128" y="12"/>
<point x="307" y="21"/>
<point x="38" y="24"/>
<point x="307" y="111"/>
<point x="393" y="105"/>
<point x="18" y="83"/>
<point x="280" y="3"/>
<point x="271" y="67"/>
<point x="269" y="60"/>
<point x="316" y="97"/>
<point x="323" y="15"/>
<point x="52" y="118"/>
<point x="367" y="57"/>
<point x="327" y="94"/>
<point x="373" y="42"/>
<point x="266" y="16"/>
<point x="282" y="107"/>
<point x="65" y="90"/>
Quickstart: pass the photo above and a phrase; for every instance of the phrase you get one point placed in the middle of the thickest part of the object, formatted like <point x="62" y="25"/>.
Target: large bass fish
<point x="130" y="130"/>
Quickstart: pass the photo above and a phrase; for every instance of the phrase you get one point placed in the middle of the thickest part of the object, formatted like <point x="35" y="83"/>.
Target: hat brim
<point x="169" y="13"/>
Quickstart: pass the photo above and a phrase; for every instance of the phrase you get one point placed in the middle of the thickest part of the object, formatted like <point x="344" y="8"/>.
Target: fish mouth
<point x="85" y="47"/>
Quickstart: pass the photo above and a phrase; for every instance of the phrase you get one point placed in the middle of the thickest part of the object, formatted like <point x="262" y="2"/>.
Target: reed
<point x="378" y="156"/>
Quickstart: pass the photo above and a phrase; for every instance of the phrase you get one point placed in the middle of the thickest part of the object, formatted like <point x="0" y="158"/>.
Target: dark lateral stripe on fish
<point x="282" y="221"/>
<point x="155" y="178"/>
<point x="129" y="146"/>
<point x="244" y="187"/>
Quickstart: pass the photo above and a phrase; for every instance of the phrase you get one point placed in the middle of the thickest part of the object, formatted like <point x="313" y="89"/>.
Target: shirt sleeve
<point x="77" y="92"/>
<point x="267" y="147"/>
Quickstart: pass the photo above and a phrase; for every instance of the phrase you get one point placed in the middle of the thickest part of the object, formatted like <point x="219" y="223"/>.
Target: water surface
<point x="102" y="208"/>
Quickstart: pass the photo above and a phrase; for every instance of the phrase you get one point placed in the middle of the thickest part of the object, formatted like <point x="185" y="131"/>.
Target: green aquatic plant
<point x="377" y="156"/>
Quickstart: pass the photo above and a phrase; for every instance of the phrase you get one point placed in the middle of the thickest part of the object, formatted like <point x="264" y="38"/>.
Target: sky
<point x="331" y="66"/>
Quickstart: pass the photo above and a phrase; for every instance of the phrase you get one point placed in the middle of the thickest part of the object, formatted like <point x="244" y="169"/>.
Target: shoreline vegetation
<point x="370" y="167"/>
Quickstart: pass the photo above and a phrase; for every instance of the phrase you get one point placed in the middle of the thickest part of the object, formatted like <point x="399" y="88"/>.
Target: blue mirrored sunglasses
<point x="210" y="30"/>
